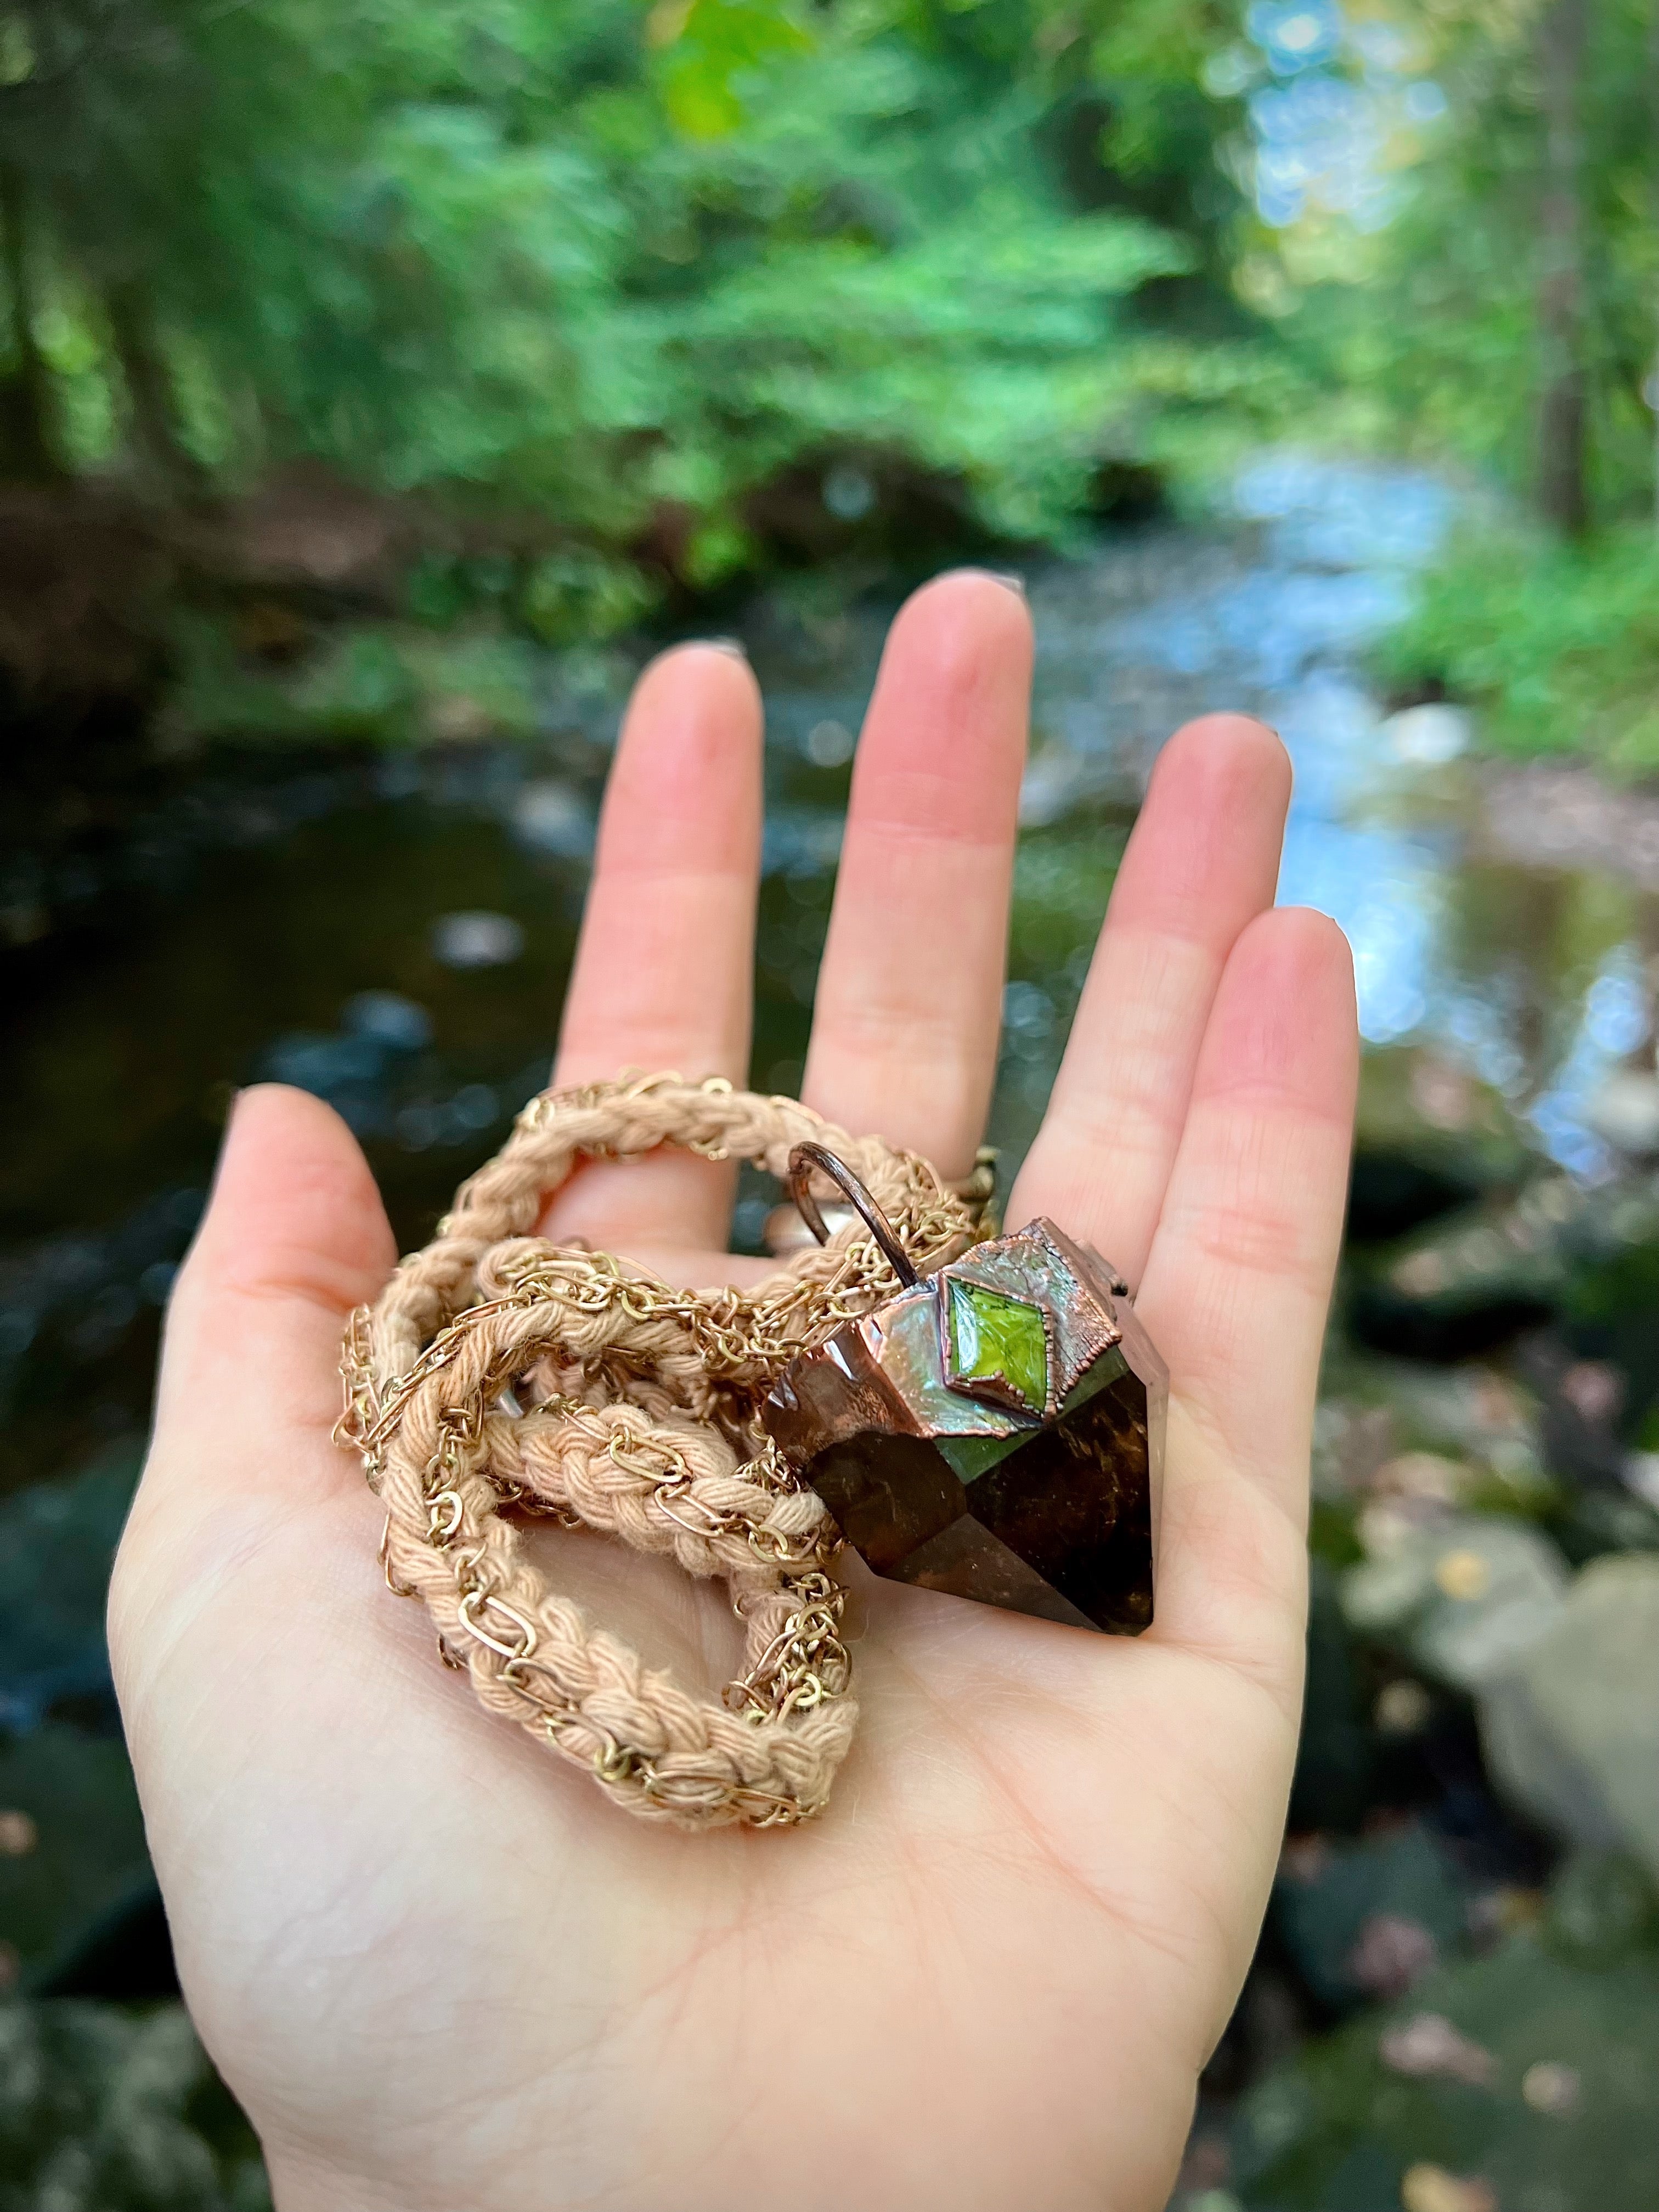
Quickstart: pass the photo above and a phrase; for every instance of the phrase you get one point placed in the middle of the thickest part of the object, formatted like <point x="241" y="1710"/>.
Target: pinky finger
<point x="1238" y="1283"/>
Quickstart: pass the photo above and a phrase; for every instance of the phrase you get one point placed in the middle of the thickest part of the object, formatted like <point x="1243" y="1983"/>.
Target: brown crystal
<point x="1052" y="1518"/>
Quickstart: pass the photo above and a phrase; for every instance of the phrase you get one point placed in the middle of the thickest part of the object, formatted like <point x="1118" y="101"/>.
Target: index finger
<point x="663" y="973"/>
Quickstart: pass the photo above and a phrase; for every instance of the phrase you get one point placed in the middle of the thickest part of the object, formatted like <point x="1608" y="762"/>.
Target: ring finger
<point x="1202" y="863"/>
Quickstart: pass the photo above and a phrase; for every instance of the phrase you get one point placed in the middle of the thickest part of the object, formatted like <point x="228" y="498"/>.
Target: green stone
<point x="998" y="1340"/>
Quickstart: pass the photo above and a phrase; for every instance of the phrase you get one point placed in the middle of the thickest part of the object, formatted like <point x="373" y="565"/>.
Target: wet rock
<point x="1430" y="1138"/>
<point x="1602" y="1906"/>
<point x="357" y="1066"/>
<point x="389" y="1020"/>
<point x="103" y="2111"/>
<point x="1371" y="1917"/>
<point x="477" y="939"/>
<point x="57" y="1541"/>
<point x="1549" y="816"/>
<point x="1428" y="736"/>
<point x="65" y="1302"/>
<point x="1625" y="1111"/>
<point x="86" y="1854"/>
<point x="552" y="817"/>
<point x="1524" y="2076"/>
<point x="1465" y="1594"/>
<point x="1573" y="1732"/>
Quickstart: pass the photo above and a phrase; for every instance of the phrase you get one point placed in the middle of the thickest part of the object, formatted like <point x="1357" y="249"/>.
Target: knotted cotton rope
<point x="501" y="1376"/>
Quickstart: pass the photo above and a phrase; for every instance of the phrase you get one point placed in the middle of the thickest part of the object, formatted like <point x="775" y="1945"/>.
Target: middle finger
<point x="909" y="996"/>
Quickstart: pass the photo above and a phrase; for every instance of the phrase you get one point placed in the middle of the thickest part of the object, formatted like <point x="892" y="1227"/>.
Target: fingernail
<point x="1011" y="577"/>
<point x="733" y="646"/>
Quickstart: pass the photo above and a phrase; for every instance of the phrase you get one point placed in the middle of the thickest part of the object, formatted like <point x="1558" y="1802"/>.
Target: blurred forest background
<point x="597" y="299"/>
<point x="381" y="380"/>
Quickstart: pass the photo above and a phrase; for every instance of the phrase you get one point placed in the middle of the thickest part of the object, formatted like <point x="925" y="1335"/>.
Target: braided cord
<point x="500" y="1374"/>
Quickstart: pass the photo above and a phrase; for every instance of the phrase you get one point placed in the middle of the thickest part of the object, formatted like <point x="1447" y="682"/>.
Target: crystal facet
<point x="995" y="1431"/>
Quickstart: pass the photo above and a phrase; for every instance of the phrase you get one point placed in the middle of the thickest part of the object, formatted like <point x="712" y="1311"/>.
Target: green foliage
<point x="1522" y="262"/>
<point x="1544" y="2098"/>
<point x="1435" y="318"/>
<point x="1557" y="646"/>
<point x="711" y="45"/>
<point x="617" y="270"/>
<point x="372" y="682"/>
<point x="102" y="2110"/>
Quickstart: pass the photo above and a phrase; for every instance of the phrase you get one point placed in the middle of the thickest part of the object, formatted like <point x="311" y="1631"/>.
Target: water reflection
<point x="1535" y="981"/>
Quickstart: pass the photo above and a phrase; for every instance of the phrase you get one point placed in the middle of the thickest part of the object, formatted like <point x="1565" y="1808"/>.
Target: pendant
<point x="995" y="1431"/>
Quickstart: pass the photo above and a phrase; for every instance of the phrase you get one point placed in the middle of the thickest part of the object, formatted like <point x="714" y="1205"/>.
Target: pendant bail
<point x="802" y="1161"/>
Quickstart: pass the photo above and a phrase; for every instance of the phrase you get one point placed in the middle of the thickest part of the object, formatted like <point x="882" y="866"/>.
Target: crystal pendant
<point x="996" y="1430"/>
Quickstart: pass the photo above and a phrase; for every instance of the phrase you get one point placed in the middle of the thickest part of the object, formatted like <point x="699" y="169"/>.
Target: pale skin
<point x="438" y="1968"/>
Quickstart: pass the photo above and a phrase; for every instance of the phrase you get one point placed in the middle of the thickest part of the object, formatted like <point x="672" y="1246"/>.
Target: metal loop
<point x="802" y="1161"/>
<point x="523" y="1649"/>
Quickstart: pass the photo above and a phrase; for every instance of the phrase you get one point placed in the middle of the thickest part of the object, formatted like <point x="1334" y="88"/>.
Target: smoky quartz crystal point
<point x="996" y="1430"/>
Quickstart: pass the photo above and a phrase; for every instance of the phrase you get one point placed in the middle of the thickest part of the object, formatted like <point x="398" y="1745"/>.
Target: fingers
<point x="909" y="996"/>
<point x="663" y="972"/>
<point x="294" y="1236"/>
<point x="1202" y="861"/>
<point x="1238" y="1283"/>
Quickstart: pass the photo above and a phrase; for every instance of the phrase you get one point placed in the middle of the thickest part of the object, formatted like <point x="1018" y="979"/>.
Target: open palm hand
<point x="440" y="1971"/>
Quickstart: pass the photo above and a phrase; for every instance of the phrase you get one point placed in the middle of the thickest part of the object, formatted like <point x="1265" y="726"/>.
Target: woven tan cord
<point x="500" y="1374"/>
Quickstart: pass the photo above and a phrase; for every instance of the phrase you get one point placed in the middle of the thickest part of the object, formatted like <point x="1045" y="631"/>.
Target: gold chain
<point x="742" y="1343"/>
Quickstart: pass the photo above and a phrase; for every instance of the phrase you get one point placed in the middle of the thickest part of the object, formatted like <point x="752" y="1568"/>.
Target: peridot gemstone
<point x="994" y="1339"/>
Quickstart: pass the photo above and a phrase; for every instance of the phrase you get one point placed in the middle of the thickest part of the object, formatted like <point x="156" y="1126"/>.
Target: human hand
<point x="438" y="1969"/>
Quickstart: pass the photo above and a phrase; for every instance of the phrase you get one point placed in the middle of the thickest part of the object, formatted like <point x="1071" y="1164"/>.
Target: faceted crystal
<point x="998" y="1344"/>
<point x="976" y="1494"/>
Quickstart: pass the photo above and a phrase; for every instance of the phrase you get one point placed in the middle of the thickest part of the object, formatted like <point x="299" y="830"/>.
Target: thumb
<point x="294" y="1236"/>
<point x="247" y="1518"/>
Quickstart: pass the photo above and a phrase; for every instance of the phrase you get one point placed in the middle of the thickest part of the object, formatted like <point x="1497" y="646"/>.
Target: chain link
<point x="742" y="1343"/>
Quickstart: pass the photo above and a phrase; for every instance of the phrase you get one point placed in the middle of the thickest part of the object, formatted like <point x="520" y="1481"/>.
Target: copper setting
<point x="994" y="1430"/>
